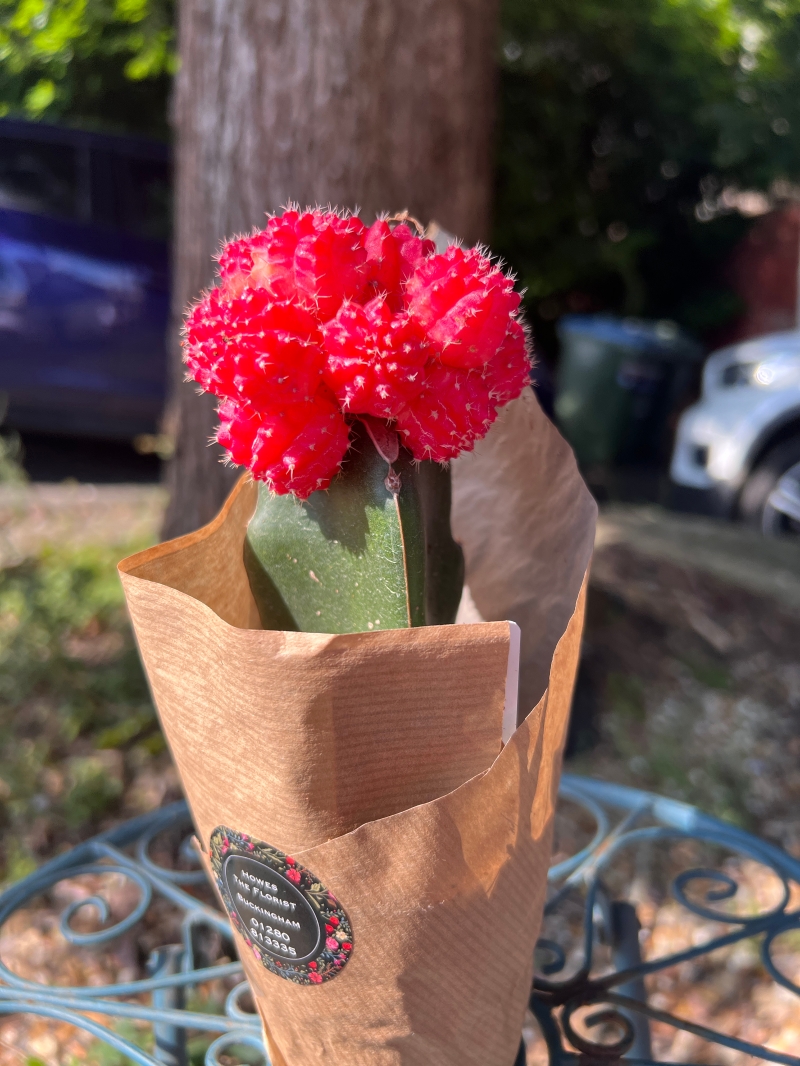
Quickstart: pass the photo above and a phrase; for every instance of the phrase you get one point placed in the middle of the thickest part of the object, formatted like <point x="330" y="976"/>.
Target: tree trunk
<point x="375" y="104"/>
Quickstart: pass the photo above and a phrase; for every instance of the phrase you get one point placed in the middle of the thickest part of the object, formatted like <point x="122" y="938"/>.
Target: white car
<point x="737" y="450"/>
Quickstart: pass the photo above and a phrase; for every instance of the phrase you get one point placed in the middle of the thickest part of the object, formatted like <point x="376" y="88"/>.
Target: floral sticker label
<point x="291" y="922"/>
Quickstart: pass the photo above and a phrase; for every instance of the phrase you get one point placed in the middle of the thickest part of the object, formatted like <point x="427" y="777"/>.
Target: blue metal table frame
<point x="623" y="819"/>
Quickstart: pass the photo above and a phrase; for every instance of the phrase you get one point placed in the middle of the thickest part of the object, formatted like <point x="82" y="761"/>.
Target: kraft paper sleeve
<point x="374" y="760"/>
<point x="526" y="521"/>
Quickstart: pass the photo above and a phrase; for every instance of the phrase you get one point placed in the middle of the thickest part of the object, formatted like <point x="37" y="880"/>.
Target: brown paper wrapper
<point x="375" y="760"/>
<point x="526" y="523"/>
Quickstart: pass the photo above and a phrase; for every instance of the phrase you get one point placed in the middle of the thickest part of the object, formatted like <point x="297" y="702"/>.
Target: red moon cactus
<point x="319" y="319"/>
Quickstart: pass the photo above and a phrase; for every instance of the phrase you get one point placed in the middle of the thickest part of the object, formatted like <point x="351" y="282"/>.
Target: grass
<point x="141" y="1036"/>
<point x="75" y="712"/>
<point x="78" y="731"/>
<point x="663" y="741"/>
<point x="11" y="469"/>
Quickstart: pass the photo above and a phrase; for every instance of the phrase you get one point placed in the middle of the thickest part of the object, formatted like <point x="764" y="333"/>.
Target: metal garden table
<point x="589" y="991"/>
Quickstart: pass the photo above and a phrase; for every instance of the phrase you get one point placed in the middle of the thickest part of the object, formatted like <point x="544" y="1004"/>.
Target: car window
<point x="145" y="190"/>
<point x="38" y="177"/>
<point x="96" y="179"/>
<point x="131" y="193"/>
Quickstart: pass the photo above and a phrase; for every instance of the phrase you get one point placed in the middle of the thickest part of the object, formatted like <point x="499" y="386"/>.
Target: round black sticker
<point x="291" y="922"/>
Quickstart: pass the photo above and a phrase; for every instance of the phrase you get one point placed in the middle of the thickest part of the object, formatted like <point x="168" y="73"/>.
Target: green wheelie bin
<point x="618" y="381"/>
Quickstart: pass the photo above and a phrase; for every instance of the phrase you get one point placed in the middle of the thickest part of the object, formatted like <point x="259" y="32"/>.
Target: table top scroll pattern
<point x="591" y="997"/>
<point x="173" y="970"/>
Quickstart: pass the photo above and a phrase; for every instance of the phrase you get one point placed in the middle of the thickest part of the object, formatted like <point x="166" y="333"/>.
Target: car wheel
<point x="770" y="498"/>
<point x="782" y="509"/>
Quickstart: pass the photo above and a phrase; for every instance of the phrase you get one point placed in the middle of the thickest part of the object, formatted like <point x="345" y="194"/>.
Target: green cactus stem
<point x="373" y="551"/>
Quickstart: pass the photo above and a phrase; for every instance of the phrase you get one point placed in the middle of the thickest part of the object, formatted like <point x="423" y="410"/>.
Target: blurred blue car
<point x="84" y="280"/>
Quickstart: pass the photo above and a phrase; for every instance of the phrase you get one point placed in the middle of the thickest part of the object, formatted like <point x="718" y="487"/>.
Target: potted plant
<point x="376" y="823"/>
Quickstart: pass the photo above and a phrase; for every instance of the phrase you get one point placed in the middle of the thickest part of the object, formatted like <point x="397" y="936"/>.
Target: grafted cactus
<point x="373" y="551"/>
<point x="352" y="362"/>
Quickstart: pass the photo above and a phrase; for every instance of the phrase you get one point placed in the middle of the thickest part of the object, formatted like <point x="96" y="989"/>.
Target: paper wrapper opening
<point x="367" y="769"/>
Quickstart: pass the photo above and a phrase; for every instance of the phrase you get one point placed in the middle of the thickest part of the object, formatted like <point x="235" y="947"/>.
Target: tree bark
<point x="372" y="104"/>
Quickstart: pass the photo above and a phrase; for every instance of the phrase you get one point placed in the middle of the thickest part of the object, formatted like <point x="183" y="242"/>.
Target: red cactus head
<point x="317" y="317"/>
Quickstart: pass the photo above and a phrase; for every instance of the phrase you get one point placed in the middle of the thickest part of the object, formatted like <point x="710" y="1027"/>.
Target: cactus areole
<point x="352" y="363"/>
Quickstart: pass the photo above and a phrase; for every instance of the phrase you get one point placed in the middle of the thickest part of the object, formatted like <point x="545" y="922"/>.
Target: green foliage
<point x="73" y="701"/>
<point x="709" y="673"/>
<point x="622" y="122"/>
<point x="205" y="1001"/>
<point x="625" y="697"/>
<point x="91" y="790"/>
<point x="11" y="470"/>
<point x="137" y="1033"/>
<point x="19" y="862"/>
<point x="105" y="62"/>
